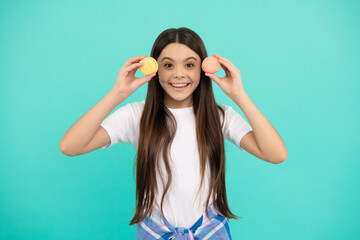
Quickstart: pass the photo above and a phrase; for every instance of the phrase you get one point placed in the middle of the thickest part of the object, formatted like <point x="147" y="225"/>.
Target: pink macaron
<point x="210" y="65"/>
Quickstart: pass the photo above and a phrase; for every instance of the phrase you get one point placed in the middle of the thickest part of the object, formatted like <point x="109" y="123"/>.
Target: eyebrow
<point x="173" y="59"/>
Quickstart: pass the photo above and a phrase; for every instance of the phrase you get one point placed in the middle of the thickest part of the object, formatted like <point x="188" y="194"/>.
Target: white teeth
<point x="179" y="85"/>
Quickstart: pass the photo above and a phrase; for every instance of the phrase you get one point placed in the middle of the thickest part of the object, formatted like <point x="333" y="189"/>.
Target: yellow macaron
<point x="150" y="66"/>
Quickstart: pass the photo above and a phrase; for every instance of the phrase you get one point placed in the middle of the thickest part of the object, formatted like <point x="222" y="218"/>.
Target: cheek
<point x="163" y="76"/>
<point x="163" y="83"/>
<point x="196" y="74"/>
<point x="197" y="84"/>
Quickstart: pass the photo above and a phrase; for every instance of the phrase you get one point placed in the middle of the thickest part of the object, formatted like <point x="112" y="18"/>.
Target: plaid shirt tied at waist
<point x="216" y="227"/>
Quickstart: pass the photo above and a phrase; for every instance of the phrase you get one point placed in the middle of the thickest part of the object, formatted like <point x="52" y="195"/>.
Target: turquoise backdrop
<point x="299" y="62"/>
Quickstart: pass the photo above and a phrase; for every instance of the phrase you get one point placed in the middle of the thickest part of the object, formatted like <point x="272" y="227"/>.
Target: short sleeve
<point x="235" y="127"/>
<point x="120" y="125"/>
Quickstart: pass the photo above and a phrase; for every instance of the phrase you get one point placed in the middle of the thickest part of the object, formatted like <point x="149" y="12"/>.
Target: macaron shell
<point x="150" y="66"/>
<point x="155" y="64"/>
<point x="210" y="65"/>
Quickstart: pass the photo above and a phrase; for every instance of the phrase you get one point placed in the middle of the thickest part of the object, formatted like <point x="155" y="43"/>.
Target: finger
<point x="134" y="60"/>
<point x="146" y="78"/>
<point x="227" y="72"/>
<point x="228" y="66"/>
<point x="213" y="77"/>
<point x="222" y="58"/>
<point x="223" y="61"/>
<point x="132" y="72"/>
<point x="133" y="66"/>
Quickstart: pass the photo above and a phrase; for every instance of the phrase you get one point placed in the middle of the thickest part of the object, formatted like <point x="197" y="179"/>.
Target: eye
<point x="165" y="65"/>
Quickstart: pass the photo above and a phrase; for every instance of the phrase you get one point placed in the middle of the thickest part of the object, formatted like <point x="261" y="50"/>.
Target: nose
<point x="179" y="73"/>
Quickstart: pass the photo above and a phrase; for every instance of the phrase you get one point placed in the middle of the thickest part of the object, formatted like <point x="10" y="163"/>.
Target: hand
<point x="126" y="82"/>
<point x="231" y="84"/>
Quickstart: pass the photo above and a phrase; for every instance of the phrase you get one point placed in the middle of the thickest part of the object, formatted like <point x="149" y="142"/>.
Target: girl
<point x="178" y="132"/>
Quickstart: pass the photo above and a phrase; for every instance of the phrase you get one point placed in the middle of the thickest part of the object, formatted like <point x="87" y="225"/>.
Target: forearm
<point x="83" y="130"/>
<point x="267" y="138"/>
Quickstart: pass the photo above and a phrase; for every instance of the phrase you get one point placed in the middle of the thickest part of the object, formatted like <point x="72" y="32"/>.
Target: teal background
<point x="299" y="62"/>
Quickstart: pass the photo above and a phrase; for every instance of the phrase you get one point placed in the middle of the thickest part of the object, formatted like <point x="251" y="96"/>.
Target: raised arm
<point x="83" y="130"/>
<point x="86" y="134"/>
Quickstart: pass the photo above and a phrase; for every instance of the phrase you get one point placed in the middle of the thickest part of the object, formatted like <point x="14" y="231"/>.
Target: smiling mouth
<point x="179" y="86"/>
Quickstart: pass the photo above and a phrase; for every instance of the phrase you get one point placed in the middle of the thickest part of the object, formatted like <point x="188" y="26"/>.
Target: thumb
<point x="143" y="80"/>
<point x="213" y="77"/>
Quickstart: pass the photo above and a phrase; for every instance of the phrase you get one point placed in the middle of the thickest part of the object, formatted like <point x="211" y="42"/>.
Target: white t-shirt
<point x="182" y="205"/>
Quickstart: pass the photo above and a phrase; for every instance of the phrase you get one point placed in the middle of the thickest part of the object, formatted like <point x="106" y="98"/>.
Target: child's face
<point x="178" y="70"/>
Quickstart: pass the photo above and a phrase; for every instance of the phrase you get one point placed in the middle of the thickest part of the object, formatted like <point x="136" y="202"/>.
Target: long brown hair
<point x="158" y="127"/>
